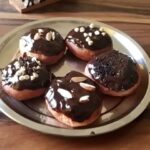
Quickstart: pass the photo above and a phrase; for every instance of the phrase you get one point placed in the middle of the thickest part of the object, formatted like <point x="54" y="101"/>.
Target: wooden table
<point x="126" y="15"/>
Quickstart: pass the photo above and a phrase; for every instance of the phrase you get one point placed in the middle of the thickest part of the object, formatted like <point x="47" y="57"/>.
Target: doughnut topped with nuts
<point x="46" y="44"/>
<point x="87" y="41"/>
<point x="25" y="75"/>
<point x="75" y="97"/>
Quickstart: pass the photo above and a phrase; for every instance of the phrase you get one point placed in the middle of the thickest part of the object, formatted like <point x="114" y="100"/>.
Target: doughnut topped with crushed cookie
<point x="116" y="71"/>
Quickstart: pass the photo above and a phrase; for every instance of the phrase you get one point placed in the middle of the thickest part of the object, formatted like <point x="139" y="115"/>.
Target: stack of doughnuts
<point x="74" y="99"/>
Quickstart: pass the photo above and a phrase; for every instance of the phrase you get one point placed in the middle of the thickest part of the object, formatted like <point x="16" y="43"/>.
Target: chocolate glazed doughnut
<point x="25" y="78"/>
<point x="86" y="42"/>
<point x="116" y="74"/>
<point x="73" y="100"/>
<point x="46" y="44"/>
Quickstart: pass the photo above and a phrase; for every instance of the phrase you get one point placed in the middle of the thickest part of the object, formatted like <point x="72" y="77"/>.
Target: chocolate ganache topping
<point x="89" y="37"/>
<point x="114" y="70"/>
<point x="42" y="40"/>
<point x="74" y="95"/>
<point x="26" y="73"/>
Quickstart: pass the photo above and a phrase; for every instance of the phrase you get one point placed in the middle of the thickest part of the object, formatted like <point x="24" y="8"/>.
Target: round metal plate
<point x="116" y="112"/>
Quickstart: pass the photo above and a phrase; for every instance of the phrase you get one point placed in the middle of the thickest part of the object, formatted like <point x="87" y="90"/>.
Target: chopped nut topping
<point x="37" y="36"/>
<point x="64" y="93"/>
<point x="15" y="79"/>
<point x="38" y="62"/>
<point x="72" y="40"/>
<point x="48" y="36"/>
<point x="50" y="94"/>
<point x="60" y="81"/>
<point x="90" y="34"/>
<point x="103" y="33"/>
<point x="97" y="77"/>
<point x="25" y="77"/>
<point x="68" y="107"/>
<point x="78" y="79"/>
<point x="91" y="25"/>
<point x="92" y="71"/>
<point x="84" y="99"/>
<point x="35" y="75"/>
<point x="97" y="32"/>
<point x="20" y="71"/>
<point x="87" y="86"/>
<point x="87" y="39"/>
<point x="17" y="65"/>
<point x="33" y="59"/>
<point x="91" y="66"/>
<point x="53" y="35"/>
<point x="85" y="34"/>
<point x="101" y="29"/>
<point x="76" y="29"/>
<point x="90" y="43"/>
<point x="9" y="71"/>
<point x="40" y="30"/>
<point x="53" y="103"/>
<point x="32" y="78"/>
<point x="69" y="37"/>
<point x="82" y="29"/>
<point x="38" y="67"/>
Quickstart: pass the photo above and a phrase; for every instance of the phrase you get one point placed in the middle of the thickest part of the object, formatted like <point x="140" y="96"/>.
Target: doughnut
<point x="46" y="44"/>
<point x="73" y="100"/>
<point x="86" y="42"/>
<point x="25" y="78"/>
<point x="116" y="73"/>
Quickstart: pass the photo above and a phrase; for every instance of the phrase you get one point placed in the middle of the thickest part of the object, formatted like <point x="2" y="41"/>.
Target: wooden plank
<point x="19" y="5"/>
<point x="130" y="4"/>
<point x="103" y="16"/>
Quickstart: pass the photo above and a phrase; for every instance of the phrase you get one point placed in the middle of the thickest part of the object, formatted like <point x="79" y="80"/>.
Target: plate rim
<point x="78" y="132"/>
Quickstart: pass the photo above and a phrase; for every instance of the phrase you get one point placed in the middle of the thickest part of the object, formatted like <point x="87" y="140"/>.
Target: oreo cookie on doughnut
<point x="25" y="78"/>
<point x="116" y="74"/>
<point x="46" y="44"/>
<point x="86" y="42"/>
<point x="73" y="100"/>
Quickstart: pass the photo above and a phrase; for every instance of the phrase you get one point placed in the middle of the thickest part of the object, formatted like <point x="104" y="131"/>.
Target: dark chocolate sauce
<point x="99" y="41"/>
<point x="115" y="71"/>
<point x="26" y="73"/>
<point x="43" y="41"/>
<point x="68" y="97"/>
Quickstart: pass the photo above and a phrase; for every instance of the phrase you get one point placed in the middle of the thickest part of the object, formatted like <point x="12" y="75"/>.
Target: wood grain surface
<point x="130" y="16"/>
